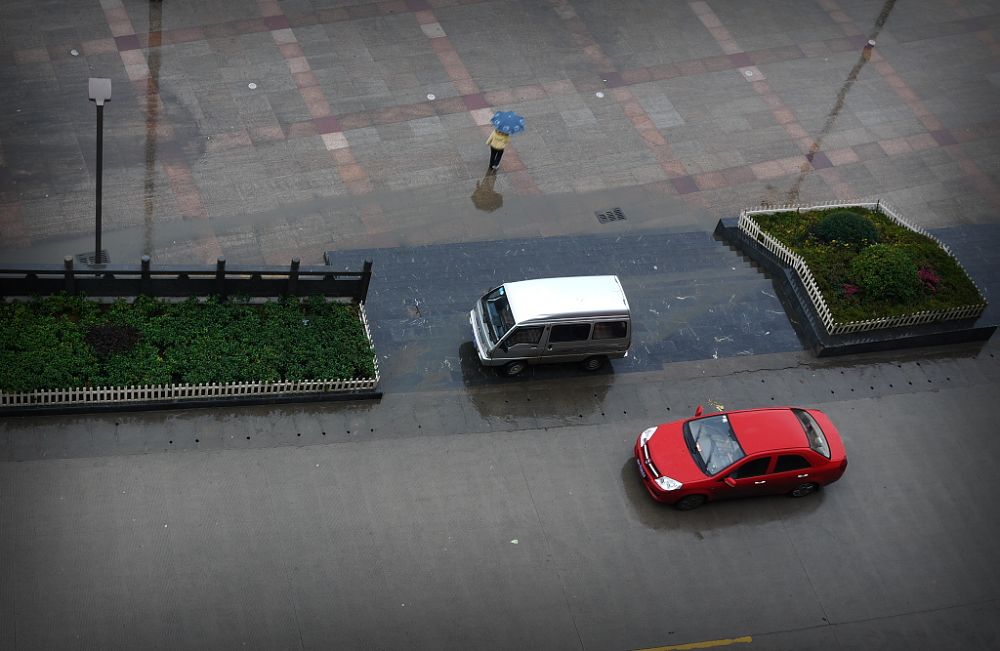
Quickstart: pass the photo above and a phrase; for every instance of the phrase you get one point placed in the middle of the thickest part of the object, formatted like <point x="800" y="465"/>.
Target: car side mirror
<point x="730" y="482"/>
<point x="699" y="411"/>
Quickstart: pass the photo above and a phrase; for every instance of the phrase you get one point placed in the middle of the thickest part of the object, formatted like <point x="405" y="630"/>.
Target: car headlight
<point x="646" y="435"/>
<point x="668" y="484"/>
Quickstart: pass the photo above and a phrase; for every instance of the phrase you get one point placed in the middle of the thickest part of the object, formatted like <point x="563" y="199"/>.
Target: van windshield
<point x="498" y="317"/>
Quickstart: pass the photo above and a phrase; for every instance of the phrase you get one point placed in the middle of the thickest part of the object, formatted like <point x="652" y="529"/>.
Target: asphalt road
<point x="508" y="517"/>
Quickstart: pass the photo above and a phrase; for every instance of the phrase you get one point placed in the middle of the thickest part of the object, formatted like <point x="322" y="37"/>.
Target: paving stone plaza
<point x="265" y="130"/>
<point x="462" y="511"/>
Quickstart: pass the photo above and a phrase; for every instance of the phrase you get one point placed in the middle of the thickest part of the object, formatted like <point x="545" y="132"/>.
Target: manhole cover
<point x="613" y="215"/>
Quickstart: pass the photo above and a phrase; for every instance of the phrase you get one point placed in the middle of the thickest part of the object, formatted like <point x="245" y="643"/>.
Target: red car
<point x="740" y="454"/>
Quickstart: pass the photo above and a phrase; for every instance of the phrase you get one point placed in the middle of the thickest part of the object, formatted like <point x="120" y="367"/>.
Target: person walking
<point x="498" y="142"/>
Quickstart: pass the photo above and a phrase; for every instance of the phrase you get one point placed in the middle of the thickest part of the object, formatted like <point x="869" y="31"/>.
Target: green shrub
<point x="67" y="341"/>
<point x="830" y="265"/>
<point x="886" y="273"/>
<point x="847" y="227"/>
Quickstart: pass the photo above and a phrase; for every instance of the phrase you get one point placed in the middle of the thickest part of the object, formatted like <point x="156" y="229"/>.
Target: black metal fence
<point x="114" y="280"/>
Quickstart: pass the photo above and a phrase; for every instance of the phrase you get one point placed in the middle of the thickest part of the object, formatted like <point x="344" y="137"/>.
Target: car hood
<point x="671" y="456"/>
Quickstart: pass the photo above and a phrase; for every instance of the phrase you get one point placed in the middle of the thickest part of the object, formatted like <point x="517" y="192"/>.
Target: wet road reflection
<point x="527" y="396"/>
<point x="485" y="197"/>
<point x="152" y="122"/>
<point x="705" y="521"/>
<point x="838" y="105"/>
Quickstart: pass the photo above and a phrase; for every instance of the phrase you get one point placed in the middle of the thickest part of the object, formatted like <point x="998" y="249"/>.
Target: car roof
<point x="763" y="430"/>
<point x="569" y="297"/>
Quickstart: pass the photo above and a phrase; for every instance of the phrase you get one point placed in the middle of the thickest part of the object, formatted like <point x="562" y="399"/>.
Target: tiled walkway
<point x="265" y="130"/>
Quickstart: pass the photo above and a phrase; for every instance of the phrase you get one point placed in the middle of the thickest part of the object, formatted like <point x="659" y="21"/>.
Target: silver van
<point x="575" y="319"/>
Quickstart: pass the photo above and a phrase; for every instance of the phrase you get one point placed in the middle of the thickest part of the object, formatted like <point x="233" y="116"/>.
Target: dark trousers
<point x="495" y="156"/>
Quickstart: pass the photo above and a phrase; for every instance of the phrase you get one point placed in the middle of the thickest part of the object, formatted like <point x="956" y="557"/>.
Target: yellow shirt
<point x="498" y="140"/>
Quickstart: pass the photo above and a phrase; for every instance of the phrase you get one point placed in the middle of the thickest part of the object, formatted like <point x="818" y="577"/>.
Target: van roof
<point x="569" y="297"/>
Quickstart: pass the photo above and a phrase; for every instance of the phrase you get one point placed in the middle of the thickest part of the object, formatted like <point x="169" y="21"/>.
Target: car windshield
<point x="712" y="443"/>
<point x="496" y="309"/>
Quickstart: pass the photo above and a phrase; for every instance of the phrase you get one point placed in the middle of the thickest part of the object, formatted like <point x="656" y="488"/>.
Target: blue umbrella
<point x="508" y="122"/>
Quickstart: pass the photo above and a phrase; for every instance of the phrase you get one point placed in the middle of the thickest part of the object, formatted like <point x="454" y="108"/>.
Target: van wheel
<point x="515" y="368"/>
<point x="593" y="363"/>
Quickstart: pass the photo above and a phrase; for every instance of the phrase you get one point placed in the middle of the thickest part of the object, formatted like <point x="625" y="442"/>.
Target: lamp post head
<point x="100" y="90"/>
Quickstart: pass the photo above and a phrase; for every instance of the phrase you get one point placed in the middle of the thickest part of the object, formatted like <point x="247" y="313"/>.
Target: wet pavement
<point x="463" y="509"/>
<point x="692" y="298"/>
<point x="508" y="516"/>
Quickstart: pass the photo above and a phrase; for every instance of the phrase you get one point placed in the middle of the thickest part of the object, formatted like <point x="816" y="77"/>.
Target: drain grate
<point x="608" y="216"/>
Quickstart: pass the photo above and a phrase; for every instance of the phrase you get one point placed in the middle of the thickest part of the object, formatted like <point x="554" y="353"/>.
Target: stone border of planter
<point x="809" y="325"/>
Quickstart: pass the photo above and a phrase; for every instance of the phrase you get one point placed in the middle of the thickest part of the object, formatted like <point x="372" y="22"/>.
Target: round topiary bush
<point x="885" y="273"/>
<point x="848" y="227"/>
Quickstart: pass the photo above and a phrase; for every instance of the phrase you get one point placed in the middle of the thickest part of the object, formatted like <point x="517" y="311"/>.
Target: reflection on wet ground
<point x="485" y="197"/>
<point x="152" y="123"/>
<point x="715" y="517"/>
<point x="838" y="106"/>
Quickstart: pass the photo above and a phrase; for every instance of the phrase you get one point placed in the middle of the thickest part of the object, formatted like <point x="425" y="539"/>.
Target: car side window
<point x="753" y="468"/>
<point x="569" y="332"/>
<point x="788" y="462"/>
<point x="530" y="335"/>
<point x="610" y="330"/>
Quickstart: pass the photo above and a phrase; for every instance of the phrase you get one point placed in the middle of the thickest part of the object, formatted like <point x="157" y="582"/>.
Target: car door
<point x="748" y="478"/>
<point x="791" y="470"/>
<point x="521" y="342"/>
<point x="568" y="341"/>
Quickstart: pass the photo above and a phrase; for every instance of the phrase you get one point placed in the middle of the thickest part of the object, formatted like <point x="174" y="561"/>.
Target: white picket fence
<point x="190" y="392"/>
<point x="753" y="230"/>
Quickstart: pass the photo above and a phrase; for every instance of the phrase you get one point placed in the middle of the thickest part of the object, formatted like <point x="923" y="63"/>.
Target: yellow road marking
<point x="708" y="644"/>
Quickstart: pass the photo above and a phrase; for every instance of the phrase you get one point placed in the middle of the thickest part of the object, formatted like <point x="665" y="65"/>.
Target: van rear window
<point x="610" y="330"/>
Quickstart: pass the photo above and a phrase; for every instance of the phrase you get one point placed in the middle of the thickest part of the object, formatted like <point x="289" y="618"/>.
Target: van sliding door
<point x="568" y="340"/>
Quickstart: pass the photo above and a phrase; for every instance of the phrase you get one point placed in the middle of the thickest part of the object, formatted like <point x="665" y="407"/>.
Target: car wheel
<point x="515" y="368"/>
<point x="689" y="502"/>
<point x="804" y="489"/>
<point x="593" y="363"/>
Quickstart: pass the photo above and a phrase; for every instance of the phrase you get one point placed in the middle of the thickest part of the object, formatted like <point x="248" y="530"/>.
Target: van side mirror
<point x="699" y="411"/>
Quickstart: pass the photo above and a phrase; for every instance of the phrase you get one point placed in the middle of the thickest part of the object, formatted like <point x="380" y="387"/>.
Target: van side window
<point x="529" y="335"/>
<point x="569" y="332"/>
<point x="610" y="330"/>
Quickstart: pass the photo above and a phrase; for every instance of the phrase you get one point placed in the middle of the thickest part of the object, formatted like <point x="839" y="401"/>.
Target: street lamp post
<point x="100" y="92"/>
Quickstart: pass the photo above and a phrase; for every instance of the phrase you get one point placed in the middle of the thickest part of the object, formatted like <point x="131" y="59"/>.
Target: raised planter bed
<point x="64" y="353"/>
<point x="146" y="396"/>
<point x="810" y="312"/>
